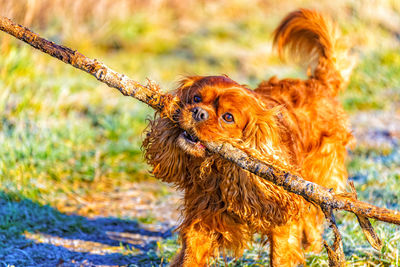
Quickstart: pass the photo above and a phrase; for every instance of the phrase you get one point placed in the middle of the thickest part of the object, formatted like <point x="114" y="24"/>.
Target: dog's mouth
<point x="190" y="138"/>
<point x="191" y="144"/>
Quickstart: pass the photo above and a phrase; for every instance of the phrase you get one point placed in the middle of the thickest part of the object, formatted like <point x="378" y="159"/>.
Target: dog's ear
<point x="263" y="136"/>
<point x="262" y="131"/>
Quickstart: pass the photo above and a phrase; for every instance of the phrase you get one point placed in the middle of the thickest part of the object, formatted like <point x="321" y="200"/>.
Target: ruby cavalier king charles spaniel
<point x="295" y="125"/>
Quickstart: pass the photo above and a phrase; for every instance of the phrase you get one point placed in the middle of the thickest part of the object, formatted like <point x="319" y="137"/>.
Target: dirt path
<point x="151" y="205"/>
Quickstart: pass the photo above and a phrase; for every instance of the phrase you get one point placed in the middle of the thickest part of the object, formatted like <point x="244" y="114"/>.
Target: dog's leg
<point x="285" y="245"/>
<point x="198" y="247"/>
<point x="313" y="227"/>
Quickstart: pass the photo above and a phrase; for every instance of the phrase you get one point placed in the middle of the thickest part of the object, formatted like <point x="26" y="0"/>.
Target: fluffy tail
<point x="312" y="39"/>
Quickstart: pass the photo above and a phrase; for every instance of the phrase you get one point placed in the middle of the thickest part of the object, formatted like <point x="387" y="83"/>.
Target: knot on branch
<point x="100" y="74"/>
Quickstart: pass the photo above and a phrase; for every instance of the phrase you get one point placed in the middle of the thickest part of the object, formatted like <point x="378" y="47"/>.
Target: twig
<point x="365" y="224"/>
<point x="335" y="252"/>
<point x="151" y="95"/>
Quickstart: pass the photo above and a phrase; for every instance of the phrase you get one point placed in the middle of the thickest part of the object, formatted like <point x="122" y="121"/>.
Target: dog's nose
<point x="199" y="114"/>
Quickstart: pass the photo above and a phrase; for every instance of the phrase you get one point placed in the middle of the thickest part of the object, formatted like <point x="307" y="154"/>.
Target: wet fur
<point x="296" y="125"/>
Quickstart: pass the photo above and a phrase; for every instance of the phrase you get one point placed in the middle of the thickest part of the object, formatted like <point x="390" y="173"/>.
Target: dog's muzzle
<point x="199" y="114"/>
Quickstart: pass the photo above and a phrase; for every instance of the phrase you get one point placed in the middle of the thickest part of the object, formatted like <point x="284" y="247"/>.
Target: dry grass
<point x="93" y="18"/>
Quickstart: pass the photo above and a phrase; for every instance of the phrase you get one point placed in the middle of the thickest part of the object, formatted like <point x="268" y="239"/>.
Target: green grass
<point x="54" y="132"/>
<point x="62" y="133"/>
<point x="375" y="82"/>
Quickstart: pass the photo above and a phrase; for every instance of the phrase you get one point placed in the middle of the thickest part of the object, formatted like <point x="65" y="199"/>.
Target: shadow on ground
<point x="35" y="235"/>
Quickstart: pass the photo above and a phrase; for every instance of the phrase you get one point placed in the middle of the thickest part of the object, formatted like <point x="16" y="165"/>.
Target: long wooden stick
<point x="310" y="191"/>
<point x="165" y="103"/>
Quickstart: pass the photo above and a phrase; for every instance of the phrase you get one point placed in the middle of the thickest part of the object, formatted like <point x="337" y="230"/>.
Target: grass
<point x="64" y="137"/>
<point x="375" y="82"/>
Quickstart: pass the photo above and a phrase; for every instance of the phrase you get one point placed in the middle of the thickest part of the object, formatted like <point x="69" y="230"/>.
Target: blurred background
<point x="74" y="188"/>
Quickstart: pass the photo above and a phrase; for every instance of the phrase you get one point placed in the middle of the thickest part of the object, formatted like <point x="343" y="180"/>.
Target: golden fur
<point x="296" y="125"/>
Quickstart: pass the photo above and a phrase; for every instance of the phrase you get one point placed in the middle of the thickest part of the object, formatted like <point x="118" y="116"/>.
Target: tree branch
<point x="335" y="252"/>
<point x="312" y="192"/>
<point x="165" y="103"/>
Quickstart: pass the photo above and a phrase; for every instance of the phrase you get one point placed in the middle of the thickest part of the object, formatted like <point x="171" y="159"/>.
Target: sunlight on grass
<point x="76" y="244"/>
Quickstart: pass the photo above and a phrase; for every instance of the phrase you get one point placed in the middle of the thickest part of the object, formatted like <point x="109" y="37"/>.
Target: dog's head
<point x="216" y="108"/>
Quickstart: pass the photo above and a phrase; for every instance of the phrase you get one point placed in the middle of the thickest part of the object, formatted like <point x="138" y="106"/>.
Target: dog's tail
<point x="313" y="40"/>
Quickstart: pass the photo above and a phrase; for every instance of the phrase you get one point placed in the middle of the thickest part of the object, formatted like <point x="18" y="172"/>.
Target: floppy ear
<point x="264" y="137"/>
<point x="161" y="152"/>
<point x="262" y="131"/>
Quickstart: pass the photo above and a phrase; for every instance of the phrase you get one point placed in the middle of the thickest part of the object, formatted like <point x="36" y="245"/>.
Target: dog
<point x="293" y="124"/>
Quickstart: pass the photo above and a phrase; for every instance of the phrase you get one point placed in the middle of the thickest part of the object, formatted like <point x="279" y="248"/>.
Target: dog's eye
<point x="196" y="99"/>
<point x="228" y="117"/>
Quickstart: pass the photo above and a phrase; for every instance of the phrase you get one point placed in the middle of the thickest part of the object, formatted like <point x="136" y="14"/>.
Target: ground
<point x="133" y="224"/>
<point x="74" y="188"/>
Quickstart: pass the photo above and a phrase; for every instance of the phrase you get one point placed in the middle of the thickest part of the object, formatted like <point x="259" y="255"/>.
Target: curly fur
<point x="296" y="125"/>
